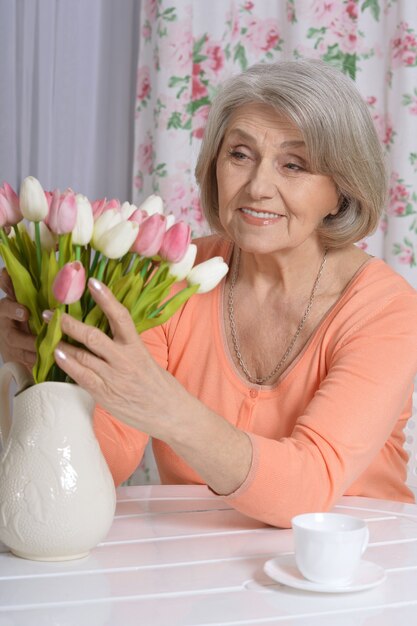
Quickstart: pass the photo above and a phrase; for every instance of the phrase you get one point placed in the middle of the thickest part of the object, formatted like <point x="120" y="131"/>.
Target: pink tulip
<point x="3" y="215"/>
<point x="151" y="234"/>
<point x="62" y="212"/>
<point x="175" y="243"/>
<point x="9" y="202"/>
<point x="112" y="204"/>
<point x="49" y="195"/>
<point x="69" y="283"/>
<point x="138" y="216"/>
<point x="99" y="206"/>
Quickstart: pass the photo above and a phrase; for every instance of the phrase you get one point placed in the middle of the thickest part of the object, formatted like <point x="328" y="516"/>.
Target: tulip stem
<point x="101" y="268"/>
<point x="100" y="273"/>
<point x="78" y="253"/>
<point x="61" y="252"/>
<point x="4" y="237"/>
<point x="128" y="263"/>
<point x="38" y="247"/>
<point x="145" y="268"/>
<point x="94" y="264"/>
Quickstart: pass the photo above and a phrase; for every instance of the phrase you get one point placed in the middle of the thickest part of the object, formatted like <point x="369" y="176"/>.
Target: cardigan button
<point x="253" y="393"/>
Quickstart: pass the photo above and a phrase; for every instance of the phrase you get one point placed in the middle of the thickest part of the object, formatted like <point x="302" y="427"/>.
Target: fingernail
<point x="47" y="315"/>
<point x="95" y="284"/>
<point x="20" y="313"/>
<point x="60" y="354"/>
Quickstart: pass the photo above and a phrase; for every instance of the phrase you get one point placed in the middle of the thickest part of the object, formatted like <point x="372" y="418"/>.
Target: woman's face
<point x="269" y="199"/>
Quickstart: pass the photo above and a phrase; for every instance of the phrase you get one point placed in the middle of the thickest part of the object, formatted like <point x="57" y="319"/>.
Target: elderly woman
<point x="289" y="384"/>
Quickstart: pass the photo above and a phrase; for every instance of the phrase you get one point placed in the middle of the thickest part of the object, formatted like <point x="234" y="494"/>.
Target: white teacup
<point x="329" y="546"/>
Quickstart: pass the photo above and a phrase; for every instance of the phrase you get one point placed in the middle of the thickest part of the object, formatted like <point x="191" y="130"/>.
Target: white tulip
<point x="33" y="202"/>
<point x="127" y="209"/>
<point x="48" y="238"/>
<point x="118" y="240"/>
<point x="170" y="221"/>
<point x="208" y="274"/>
<point x="84" y="224"/>
<point x="153" y="204"/>
<point x="107" y="220"/>
<point x="181" y="269"/>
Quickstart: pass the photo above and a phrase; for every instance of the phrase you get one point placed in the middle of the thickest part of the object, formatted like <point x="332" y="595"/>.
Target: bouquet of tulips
<point x="52" y="242"/>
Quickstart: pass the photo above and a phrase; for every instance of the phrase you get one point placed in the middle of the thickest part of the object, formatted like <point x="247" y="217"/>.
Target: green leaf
<point x="175" y="120"/>
<point x="169" y="14"/>
<point x="29" y="253"/>
<point x="160" y="170"/>
<point x="178" y="80"/>
<point x="126" y="261"/>
<point x="349" y="65"/>
<point x="123" y="286"/>
<point x="198" y="46"/>
<point x="25" y="291"/>
<point x="134" y="293"/>
<point x="66" y="251"/>
<point x="314" y="32"/>
<point x="373" y="5"/>
<point x="113" y="271"/>
<point x="168" y="311"/>
<point x="43" y="294"/>
<point x="46" y="342"/>
<point x="53" y="269"/>
<point x="93" y="318"/>
<point x="75" y="309"/>
<point x="150" y="299"/>
<point x="240" y="56"/>
<point x="196" y="104"/>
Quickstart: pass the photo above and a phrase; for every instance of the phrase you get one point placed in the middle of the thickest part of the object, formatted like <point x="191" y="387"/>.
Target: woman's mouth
<point x="259" y="217"/>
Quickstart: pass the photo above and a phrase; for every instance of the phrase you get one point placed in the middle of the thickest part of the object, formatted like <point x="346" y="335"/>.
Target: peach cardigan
<point x="332" y="424"/>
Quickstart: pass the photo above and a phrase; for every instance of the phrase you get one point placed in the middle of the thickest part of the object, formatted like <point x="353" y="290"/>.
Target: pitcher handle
<point x="23" y="380"/>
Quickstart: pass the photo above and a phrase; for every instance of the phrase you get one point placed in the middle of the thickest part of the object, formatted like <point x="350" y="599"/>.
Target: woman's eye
<point x="238" y="155"/>
<point x="294" y="167"/>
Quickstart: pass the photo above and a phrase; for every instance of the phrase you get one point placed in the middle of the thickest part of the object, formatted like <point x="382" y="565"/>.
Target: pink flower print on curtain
<point x="262" y="35"/>
<point x="404" y="46"/>
<point x="383" y="122"/>
<point x="143" y="85"/>
<point x="402" y="200"/>
<point x="188" y="48"/>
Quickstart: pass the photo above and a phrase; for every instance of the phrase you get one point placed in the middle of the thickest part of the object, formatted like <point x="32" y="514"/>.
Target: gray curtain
<point x="67" y="90"/>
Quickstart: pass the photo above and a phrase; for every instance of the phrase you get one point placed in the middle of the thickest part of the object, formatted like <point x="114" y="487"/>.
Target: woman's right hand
<point x="16" y="341"/>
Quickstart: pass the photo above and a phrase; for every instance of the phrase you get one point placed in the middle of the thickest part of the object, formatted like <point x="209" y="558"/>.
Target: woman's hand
<point x="123" y="377"/>
<point x="16" y="342"/>
<point x="120" y="373"/>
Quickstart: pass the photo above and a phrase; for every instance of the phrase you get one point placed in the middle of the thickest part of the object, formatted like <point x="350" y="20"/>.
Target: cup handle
<point x="23" y="380"/>
<point x="365" y="540"/>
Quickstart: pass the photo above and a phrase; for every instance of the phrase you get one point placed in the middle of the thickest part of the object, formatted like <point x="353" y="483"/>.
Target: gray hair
<point x="337" y="128"/>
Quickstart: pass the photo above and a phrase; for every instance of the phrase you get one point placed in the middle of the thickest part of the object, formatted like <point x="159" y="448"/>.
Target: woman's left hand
<point x="119" y="372"/>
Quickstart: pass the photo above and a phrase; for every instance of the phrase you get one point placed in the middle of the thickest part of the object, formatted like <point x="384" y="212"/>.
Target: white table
<point x="180" y="556"/>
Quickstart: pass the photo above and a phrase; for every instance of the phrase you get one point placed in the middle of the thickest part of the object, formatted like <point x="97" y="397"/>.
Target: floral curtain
<point x="187" y="48"/>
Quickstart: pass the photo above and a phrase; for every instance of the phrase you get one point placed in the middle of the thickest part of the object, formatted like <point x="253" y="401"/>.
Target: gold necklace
<point x="264" y="379"/>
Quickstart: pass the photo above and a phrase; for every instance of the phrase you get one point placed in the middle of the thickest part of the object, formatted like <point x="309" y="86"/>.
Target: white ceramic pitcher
<point x="57" y="496"/>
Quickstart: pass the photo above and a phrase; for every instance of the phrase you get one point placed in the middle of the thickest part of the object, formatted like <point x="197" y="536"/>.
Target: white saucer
<point x="284" y="570"/>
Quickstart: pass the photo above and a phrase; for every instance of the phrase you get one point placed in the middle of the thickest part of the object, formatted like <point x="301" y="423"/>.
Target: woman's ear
<point x="341" y="205"/>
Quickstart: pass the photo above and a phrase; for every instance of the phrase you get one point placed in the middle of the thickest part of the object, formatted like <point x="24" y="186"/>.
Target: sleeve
<point x="350" y="418"/>
<point x="122" y="445"/>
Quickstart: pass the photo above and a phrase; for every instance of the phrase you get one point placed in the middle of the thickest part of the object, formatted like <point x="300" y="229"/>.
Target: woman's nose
<point x="262" y="183"/>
